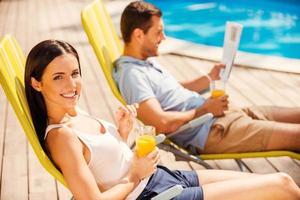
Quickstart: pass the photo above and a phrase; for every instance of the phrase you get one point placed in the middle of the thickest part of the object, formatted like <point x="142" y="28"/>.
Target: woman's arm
<point x="67" y="153"/>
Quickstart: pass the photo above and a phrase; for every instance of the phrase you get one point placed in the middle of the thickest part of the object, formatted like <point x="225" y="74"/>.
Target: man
<point x="167" y="104"/>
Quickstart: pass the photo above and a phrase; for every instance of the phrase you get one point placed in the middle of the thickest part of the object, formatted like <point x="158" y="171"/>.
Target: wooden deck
<point x="32" y="21"/>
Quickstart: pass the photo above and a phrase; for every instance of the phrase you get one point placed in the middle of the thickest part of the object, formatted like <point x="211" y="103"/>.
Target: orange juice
<point x="217" y="93"/>
<point x="145" y="144"/>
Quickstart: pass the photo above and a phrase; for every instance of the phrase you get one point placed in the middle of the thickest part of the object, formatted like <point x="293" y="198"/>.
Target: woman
<point x="93" y="156"/>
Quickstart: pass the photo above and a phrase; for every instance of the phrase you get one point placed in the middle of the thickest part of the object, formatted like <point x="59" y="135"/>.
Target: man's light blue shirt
<point x="139" y="80"/>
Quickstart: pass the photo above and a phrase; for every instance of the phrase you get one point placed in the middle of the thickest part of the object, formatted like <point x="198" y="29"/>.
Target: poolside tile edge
<point x="244" y="59"/>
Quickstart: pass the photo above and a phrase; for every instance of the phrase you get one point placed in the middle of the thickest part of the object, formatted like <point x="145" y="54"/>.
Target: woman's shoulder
<point x="62" y="143"/>
<point x="60" y="136"/>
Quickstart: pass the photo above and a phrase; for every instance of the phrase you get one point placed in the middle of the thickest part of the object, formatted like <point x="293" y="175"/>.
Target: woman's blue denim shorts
<point x="164" y="178"/>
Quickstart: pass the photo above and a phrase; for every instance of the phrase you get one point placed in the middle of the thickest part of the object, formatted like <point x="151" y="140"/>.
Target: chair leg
<point x="240" y="165"/>
<point x="184" y="155"/>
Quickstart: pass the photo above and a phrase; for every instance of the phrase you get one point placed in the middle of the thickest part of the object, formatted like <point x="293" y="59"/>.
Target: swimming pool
<point x="271" y="27"/>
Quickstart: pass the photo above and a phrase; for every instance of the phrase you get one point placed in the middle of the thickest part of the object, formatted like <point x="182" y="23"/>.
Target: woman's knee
<point x="284" y="178"/>
<point x="287" y="184"/>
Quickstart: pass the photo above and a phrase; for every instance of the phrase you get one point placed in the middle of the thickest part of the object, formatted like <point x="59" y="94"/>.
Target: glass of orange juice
<point x="217" y="88"/>
<point x="145" y="141"/>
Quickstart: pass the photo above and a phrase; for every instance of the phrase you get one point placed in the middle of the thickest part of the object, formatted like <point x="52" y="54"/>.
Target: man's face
<point x="153" y="37"/>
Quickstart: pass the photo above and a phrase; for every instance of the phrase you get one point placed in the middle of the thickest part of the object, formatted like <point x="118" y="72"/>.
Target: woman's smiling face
<point x="61" y="82"/>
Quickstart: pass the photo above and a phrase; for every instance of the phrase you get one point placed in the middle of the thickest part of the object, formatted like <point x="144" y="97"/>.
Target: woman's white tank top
<point x="110" y="158"/>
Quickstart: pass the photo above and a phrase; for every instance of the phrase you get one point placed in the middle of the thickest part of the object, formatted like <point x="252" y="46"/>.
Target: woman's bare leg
<point x="212" y="176"/>
<point x="272" y="186"/>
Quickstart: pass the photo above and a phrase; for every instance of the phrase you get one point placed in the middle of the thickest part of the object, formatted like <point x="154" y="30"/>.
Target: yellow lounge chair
<point x="107" y="47"/>
<point x="12" y="65"/>
<point x="106" y="43"/>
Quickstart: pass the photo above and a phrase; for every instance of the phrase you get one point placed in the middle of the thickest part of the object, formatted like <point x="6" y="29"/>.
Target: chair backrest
<point x="104" y="40"/>
<point x="12" y="65"/>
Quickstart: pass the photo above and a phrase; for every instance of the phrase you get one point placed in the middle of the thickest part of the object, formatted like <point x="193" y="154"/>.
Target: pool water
<point x="270" y="27"/>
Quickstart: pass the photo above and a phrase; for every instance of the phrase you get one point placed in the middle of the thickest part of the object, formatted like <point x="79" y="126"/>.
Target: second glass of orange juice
<point x="217" y="88"/>
<point x="145" y="141"/>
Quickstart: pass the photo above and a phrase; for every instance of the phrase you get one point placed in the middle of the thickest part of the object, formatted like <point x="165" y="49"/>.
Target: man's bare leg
<point x="286" y="136"/>
<point x="284" y="114"/>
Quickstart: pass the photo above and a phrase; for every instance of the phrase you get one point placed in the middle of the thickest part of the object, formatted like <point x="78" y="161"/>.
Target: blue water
<point x="270" y="27"/>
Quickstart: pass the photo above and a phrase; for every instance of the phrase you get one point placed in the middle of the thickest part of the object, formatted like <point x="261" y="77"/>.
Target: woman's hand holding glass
<point x="145" y="166"/>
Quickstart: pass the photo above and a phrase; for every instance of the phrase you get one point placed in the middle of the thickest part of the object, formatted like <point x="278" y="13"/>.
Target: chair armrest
<point x="169" y="193"/>
<point x="193" y="123"/>
<point x="160" y="138"/>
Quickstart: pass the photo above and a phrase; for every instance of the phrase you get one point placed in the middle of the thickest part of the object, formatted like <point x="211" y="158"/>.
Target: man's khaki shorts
<point x="241" y="130"/>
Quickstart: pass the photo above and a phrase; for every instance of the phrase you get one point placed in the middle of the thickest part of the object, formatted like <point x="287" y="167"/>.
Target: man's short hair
<point x="137" y="15"/>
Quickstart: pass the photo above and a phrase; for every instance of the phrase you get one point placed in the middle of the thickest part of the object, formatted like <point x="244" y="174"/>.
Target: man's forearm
<point x="197" y="85"/>
<point x="172" y="120"/>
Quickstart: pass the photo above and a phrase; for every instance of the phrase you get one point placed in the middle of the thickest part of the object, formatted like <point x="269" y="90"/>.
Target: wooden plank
<point x="287" y="86"/>
<point x="21" y="28"/>
<point x="164" y="62"/>
<point x="10" y="17"/>
<point x="287" y="80"/>
<point x="198" y="64"/>
<point x="3" y="16"/>
<point x="14" y="172"/>
<point x="41" y="184"/>
<point x="63" y="192"/>
<point x="3" y="117"/>
<point x="168" y="159"/>
<point x="32" y="34"/>
<point x="166" y="156"/>
<point x="179" y="165"/>
<point x="287" y="165"/>
<point x="246" y="89"/>
<point x="265" y="90"/>
<point x="297" y="161"/>
<point x="259" y="165"/>
<point x="196" y="166"/>
<point x="178" y="64"/>
<point x="229" y="164"/>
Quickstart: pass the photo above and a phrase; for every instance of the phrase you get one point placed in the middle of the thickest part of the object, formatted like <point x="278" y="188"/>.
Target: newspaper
<point x="231" y="43"/>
